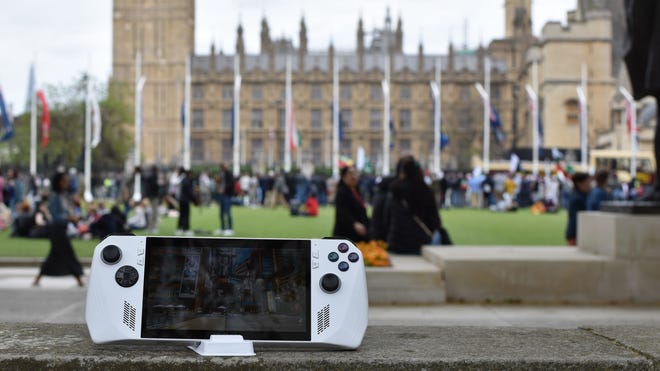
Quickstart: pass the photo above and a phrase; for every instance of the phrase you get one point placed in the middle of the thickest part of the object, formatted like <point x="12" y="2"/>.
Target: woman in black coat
<point x="351" y="220"/>
<point x="61" y="260"/>
<point x="409" y="199"/>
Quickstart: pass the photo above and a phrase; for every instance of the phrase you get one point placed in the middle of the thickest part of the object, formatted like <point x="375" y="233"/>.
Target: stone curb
<point x="53" y="346"/>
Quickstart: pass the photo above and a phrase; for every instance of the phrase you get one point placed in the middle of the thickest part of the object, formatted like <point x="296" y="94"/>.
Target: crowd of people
<point x="404" y="207"/>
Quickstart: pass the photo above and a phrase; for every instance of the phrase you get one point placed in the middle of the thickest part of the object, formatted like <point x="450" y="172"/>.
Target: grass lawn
<point x="466" y="227"/>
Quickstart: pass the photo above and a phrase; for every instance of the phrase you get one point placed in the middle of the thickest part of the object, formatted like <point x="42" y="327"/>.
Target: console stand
<point x="224" y="345"/>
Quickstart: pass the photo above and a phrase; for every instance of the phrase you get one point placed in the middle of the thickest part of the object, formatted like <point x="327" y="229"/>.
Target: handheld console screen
<point x="198" y="287"/>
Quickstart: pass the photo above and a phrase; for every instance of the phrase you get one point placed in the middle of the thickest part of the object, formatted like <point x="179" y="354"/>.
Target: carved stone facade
<point x="164" y="32"/>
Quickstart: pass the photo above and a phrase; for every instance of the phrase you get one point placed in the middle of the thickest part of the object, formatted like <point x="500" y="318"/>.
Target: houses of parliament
<point x="163" y="33"/>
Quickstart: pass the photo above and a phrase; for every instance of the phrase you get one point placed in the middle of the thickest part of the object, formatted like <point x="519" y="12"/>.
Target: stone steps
<point x="410" y="280"/>
<point x="530" y="275"/>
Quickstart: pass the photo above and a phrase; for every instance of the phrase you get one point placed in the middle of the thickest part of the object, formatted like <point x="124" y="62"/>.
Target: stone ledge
<point x="40" y="346"/>
<point x="410" y="280"/>
<point x="543" y="275"/>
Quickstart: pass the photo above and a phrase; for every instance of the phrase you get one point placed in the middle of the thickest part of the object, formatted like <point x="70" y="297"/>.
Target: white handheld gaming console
<point x="281" y="291"/>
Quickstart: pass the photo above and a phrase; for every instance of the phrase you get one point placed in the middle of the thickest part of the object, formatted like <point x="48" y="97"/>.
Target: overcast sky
<point x="67" y="37"/>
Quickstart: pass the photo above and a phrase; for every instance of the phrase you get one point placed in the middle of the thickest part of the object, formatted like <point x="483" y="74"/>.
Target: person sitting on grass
<point x="578" y="202"/>
<point x="310" y="208"/>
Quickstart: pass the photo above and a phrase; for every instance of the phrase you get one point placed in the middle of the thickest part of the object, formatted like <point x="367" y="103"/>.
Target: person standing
<point x="61" y="260"/>
<point x="599" y="193"/>
<point x="413" y="215"/>
<point x="351" y="219"/>
<point x="152" y="192"/>
<point x="225" y="190"/>
<point x="185" y="198"/>
<point x="578" y="202"/>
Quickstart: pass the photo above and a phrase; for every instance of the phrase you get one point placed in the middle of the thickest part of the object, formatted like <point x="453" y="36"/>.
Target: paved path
<point x="60" y="300"/>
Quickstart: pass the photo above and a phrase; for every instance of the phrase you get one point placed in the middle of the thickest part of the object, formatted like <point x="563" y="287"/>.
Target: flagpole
<point x="186" y="116"/>
<point x="436" y="88"/>
<point x="533" y="97"/>
<point x="386" y="116"/>
<point x="88" y="147"/>
<point x="487" y="109"/>
<point x="237" y="116"/>
<point x="335" y="119"/>
<point x="584" y="118"/>
<point x="139" y="86"/>
<point x="33" y="124"/>
<point x="287" y="114"/>
<point x="633" y="129"/>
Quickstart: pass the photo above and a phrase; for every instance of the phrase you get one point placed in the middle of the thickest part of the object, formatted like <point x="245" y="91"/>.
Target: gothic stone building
<point x="163" y="33"/>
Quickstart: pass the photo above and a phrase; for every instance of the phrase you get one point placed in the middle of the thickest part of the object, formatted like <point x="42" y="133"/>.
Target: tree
<point x="66" y="144"/>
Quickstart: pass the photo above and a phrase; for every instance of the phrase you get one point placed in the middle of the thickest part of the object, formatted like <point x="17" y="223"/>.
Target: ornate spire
<point x="266" y="43"/>
<point x="302" y="48"/>
<point x="398" y="36"/>
<point x="212" y="57"/>
<point x="450" y="56"/>
<point x="360" y="45"/>
<point x="240" y="44"/>
<point x="420" y="57"/>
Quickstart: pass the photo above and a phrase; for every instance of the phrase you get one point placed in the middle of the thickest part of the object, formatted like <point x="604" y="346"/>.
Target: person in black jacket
<point x="152" y="192"/>
<point x="577" y="203"/>
<point x="412" y="213"/>
<point x="378" y="225"/>
<point x="185" y="198"/>
<point x="351" y="219"/>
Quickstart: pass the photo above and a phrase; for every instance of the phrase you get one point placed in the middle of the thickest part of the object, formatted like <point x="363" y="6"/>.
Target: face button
<point x="333" y="256"/>
<point x="343" y="247"/>
<point x="353" y="257"/>
<point x="330" y="283"/>
<point x="127" y="276"/>
<point x="111" y="254"/>
<point x="343" y="266"/>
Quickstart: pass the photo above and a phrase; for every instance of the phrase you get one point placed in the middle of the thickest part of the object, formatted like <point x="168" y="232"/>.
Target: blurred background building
<point x="163" y="33"/>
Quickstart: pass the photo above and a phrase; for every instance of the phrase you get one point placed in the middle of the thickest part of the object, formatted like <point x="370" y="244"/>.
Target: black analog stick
<point x="330" y="283"/>
<point x="127" y="276"/>
<point x="111" y="254"/>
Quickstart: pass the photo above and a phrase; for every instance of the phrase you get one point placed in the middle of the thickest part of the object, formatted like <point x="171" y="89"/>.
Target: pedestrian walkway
<point x="60" y="300"/>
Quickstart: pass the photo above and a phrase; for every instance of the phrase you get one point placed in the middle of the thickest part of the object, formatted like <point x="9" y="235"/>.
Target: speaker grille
<point x="129" y="315"/>
<point x="323" y="319"/>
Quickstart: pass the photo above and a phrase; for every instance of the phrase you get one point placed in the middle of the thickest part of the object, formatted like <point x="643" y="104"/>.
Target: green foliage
<point x="67" y="111"/>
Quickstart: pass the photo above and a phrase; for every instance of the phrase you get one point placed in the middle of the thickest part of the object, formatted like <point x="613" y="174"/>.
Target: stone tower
<point x="518" y="18"/>
<point x="163" y="33"/>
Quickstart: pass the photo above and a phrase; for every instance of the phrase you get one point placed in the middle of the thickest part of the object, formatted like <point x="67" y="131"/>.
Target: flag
<point x="96" y="119"/>
<point x="183" y="114"/>
<point x="360" y="158"/>
<point x="341" y="128"/>
<point x="541" y="133"/>
<point x="444" y="141"/>
<point x="392" y="132"/>
<point x="7" y="120"/>
<point x="514" y="163"/>
<point x="629" y="119"/>
<point x="30" y="90"/>
<point x="496" y="124"/>
<point x="341" y="124"/>
<point x="45" y="118"/>
<point x="295" y="139"/>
